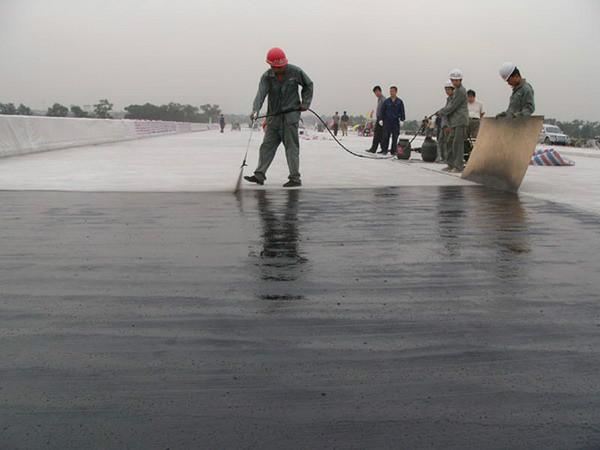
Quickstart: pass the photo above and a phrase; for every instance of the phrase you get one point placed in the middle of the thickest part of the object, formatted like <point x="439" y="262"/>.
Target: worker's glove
<point x="447" y="130"/>
<point x="303" y="108"/>
<point x="381" y="123"/>
<point x="254" y="116"/>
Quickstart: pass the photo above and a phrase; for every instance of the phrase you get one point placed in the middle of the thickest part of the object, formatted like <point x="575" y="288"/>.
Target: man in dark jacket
<point x="392" y="112"/>
<point x="280" y="83"/>
<point x="222" y="122"/>
<point x="377" y="129"/>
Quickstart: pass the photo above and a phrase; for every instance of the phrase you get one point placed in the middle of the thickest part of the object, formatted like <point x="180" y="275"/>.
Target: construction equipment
<point x="502" y="152"/>
<point x="429" y="149"/>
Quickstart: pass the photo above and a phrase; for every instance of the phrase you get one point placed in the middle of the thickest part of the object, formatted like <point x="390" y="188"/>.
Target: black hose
<point x="358" y="155"/>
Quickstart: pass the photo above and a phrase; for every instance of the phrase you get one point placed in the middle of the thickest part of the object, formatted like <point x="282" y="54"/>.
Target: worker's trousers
<point x="344" y="128"/>
<point x="443" y="146"/>
<point x="288" y="135"/>
<point x="377" y="137"/>
<point x="456" y="148"/>
<point x="474" y="127"/>
<point x="394" y="133"/>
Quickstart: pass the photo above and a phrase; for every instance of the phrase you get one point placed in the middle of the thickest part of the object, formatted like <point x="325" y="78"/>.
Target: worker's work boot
<point x="253" y="179"/>
<point x="370" y="150"/>
<point x="292" y="183"/>
<point x="447" y="169"/>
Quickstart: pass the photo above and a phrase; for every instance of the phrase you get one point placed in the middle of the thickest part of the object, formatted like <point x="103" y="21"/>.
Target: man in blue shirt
<point x="392" y="112"/>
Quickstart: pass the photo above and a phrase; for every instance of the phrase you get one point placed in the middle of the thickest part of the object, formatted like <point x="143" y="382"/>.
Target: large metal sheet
<point x="503" y="151"/>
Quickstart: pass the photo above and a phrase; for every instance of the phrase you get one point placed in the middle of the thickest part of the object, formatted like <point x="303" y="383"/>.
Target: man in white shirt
<point x="475" y="113"/>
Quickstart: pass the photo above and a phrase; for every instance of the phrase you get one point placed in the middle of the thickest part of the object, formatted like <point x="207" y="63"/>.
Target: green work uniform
<point x="521" y="102"/>
<point x="283" y="96"/>
<point x="457" y="116"/>
<point x="443" y="138"/>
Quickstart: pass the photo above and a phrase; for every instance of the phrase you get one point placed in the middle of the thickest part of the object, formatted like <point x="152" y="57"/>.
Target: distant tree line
<point x="102" y="110"/>
<point x="12" y="110"/>
<point x="578" y="129"/>
<point x="175" y="112"/>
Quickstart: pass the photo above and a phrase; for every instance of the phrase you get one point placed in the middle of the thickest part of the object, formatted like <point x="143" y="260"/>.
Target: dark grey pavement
<point x="434" y="317"/>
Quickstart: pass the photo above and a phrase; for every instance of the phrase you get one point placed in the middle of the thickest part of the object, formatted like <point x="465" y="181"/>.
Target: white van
<point x="551" y="134"/>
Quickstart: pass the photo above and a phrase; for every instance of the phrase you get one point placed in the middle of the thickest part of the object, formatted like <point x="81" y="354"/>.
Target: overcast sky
<point x="213" y="51"/>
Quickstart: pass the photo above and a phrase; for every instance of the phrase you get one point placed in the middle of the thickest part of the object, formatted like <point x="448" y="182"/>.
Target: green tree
<point x="8" y="108"/>
<point x="170" y="112"/>
<point x="147" y="111"/>
<point x="57" y="110"/>
<point x="210" y="112"/>
<point x="577" y="129"/>
<point x="411" y="125"/>
<point x="78" y="112"/>
<point x="191" y="113"/>
<point x="102" y="109"/>
<point x="23" y="110"/>
<point x="173" y="112"/>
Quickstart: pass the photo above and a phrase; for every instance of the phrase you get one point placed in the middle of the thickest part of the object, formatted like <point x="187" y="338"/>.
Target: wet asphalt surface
<point x="434" y="317"/>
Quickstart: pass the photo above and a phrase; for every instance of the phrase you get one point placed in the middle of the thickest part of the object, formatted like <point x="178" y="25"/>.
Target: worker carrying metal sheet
<point x="522" y="103"/>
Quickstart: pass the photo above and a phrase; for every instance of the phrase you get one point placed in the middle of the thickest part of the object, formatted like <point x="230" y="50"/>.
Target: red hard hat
<point x="276" y="57"/>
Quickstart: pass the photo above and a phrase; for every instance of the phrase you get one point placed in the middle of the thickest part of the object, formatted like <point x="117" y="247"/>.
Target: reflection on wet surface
<point x="386" y="232"/>
<point x="455" y="317"/>
<point x="450" y="214"/>
<point x="281" y="254"/>
<point x="280" y="259"/>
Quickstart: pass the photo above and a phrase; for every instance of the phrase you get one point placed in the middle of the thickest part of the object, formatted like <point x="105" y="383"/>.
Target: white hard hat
<point x="506" y="70"/>
<point x="449" y="84"/>
<point x="456" y="74"/>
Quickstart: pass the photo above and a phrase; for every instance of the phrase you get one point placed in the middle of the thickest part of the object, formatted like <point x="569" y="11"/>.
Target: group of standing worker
<point x="388" y="115"/>
<point x="281" y="83"/>
<point x="340" y="123"/>
<point x="461" y="116"/>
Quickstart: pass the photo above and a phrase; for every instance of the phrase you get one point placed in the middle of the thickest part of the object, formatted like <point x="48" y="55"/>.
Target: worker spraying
<point x="456" y="113"/>
<point x="280" y="83"/>
<point x="521" y="102"/>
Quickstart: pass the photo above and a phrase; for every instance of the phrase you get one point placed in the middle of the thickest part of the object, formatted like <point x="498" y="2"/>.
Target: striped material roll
<point x="549" y="157"/>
